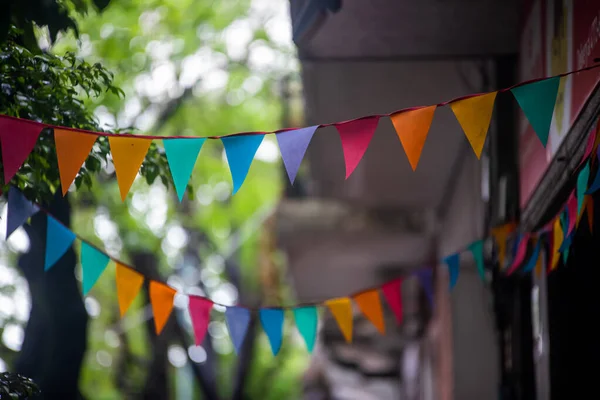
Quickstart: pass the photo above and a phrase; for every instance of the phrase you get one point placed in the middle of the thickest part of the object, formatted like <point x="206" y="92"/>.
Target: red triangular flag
<point x="200" y="313"/>
<point x="17" y="138"/>
<point x="392" y="291"/>
<point x="356" y="136"/>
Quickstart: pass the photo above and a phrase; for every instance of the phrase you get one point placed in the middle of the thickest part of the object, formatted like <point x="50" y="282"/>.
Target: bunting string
<point x="473" y="112"/>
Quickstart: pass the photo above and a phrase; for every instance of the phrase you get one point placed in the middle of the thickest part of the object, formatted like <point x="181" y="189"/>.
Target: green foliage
<point x="47" y="88"/>
<point x="17" y="387"/>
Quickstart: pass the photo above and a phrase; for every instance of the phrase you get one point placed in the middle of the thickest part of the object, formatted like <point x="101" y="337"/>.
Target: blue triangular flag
<point x="306" y="321"/>
<point x="293" y="145"/>
<point x="537" y="101"/>
<point x="240" y="150"/>
<point x="425" y="277"/>
<point x="19" y="210"/>
<point x="93" y="263"/>
<point x="582" y="181"/>
<point x="237" y="319"/>
<point x="272" y="322"/>
<point x="534" y="257"/>
<point x="58" y="240"/>
<point x="595" y="184"/>
<point x="453" y="262"/>
<point x="181" y="156"/>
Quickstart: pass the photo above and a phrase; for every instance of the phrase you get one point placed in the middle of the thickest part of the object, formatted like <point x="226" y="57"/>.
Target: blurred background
<point x="206" y="67"/>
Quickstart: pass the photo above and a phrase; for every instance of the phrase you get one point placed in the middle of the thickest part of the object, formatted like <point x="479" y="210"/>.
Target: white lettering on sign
<point x="584" y="51"/>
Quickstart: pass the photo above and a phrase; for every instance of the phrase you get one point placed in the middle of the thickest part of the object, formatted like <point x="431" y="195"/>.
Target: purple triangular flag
<point x="19" y="210"/>
<point x="293" y="145"/>
<point x="425" y="276"/>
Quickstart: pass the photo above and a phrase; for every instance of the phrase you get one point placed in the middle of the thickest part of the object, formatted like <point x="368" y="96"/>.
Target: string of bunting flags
<point x="555" y="237"/>
<point x="18" y="138"/>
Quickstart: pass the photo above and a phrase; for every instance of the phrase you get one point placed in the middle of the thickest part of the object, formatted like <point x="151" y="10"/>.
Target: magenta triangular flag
<point x="392" y="291"/>
<point x="17" y="138"/>
<point x="356" y="136"/>
<point x="200" y="313"/>
<point x="293" y="145"/>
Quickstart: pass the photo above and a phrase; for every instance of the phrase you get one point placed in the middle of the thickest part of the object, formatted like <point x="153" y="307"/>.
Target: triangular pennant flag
<point x="58" y="240"/>
<point x="200" y="314"/>
<point x="19" y="210"/>
<point x="293" y="145"/>
<point x="412" y="128"/>
<point x="534" y="257"/>
<point x="93" y="263"/>
<point x="161" y="298"/>
<point x="571" y="213"/>
<point x="72" y="149"/>
<point x="425" y="277"/>
<point x="500" y="235"/>
<point x="181" y="156"/>
<point x="240" y="150"/>
<point x="129" y="282"/>
<point x="520" y="255"/>
<point x="306" y="321"/>
<point x="272" y="322"/>
<point x="237" y="319"/>
<point x="17" y="138"/>
<point x="590" y="212"/>
<point x="392" y="291"/>
<point x="582" y="181"/>
<point x="356" y="136"/>
<point x="595" y="184"/>
<point x="476" y="249"/>
<point x="557" y="238"/>
<point x="341" y="308"/>
<point x="453" y="262"/>
<point x="474" y="115"/>
<point x="537" y="101"/>
<point x="369" y="303"/>
<point x="128" y="153"/>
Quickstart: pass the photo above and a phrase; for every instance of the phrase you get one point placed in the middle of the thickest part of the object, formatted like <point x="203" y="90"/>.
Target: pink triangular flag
<point x="392" y="291"/>
<point x="356" y="136"/>
<point x="200" y="313"/>
<point x="17" y="138"/>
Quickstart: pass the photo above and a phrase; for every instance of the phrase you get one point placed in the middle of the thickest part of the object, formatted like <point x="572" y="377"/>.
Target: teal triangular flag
<point x="306" y="321"/>
<point x="181" y="156"/>
<point x="240" y="150"/>
<point x="93" y="263"/>
<point x="272" y="322"/>
<point x="582" y="181"/>
<point x="534" y="257"/>
<point x="476" y="248"/>
<point x="453" y="262"/>
<point x="537" y="101"/>
<point x="58" y="240"/>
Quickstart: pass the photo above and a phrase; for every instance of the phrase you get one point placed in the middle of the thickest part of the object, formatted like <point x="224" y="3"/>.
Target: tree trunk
<point x="55" y="336"/>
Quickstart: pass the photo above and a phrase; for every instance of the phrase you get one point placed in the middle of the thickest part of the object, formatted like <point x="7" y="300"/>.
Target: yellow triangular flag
<point x="474" y="115"/>
<point x="72" y="149"/>
<point x="370" y="305"/>
<point x="412" y="128"/>
<point x="129" y="283"/>
<point x="341" y="309"/>
<point x="128" y="153"/>
<point x="500" y="235"/>
<point x="161" y="298"/>
<point x="556" y="243"/>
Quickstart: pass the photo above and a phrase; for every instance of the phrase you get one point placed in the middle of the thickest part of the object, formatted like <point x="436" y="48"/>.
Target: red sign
<point x="558" y="36"/>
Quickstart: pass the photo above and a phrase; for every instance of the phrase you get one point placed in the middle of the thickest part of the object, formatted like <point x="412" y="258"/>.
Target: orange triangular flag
<point x="557" y="240"/>
<point x="161" y="298"/>
<point x="128" y="153"/>
<point x="539" y="266"/>
<point x="129" y="283"/>
<point x="474" y="115"/>
<point x="500" y="235"/>
<point x="412" y="128"/>
<point x="341" y="309"/>
<point x="370" y="305"/>
<point x="72" y="149"/>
